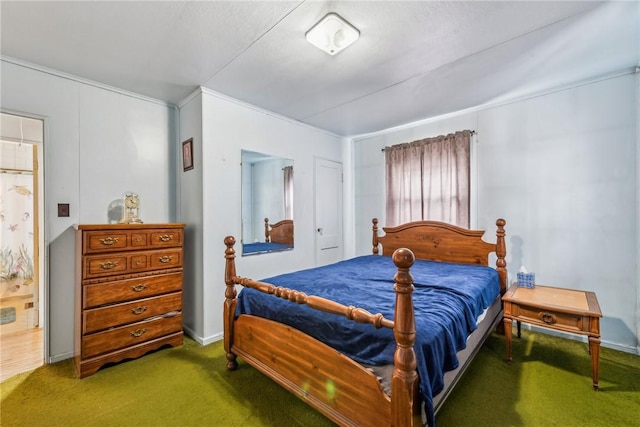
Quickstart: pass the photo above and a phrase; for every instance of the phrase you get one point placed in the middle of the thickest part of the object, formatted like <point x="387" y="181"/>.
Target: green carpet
<point x="548" y="384"/>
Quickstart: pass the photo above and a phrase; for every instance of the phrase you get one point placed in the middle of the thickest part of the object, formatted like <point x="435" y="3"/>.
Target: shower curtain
<point x="17" y="228"/>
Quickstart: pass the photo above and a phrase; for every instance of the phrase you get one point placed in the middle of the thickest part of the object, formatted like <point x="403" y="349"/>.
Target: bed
<point x="280" y="233"/>
<point x="378" y="382"/>
<point x="278" y="237"/>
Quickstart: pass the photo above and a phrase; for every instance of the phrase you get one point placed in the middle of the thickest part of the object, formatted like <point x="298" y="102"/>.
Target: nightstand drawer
<point x="546" y="317"/>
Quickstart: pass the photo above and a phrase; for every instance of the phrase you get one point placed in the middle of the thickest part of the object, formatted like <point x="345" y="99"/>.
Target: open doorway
<point x="21" y="245"/>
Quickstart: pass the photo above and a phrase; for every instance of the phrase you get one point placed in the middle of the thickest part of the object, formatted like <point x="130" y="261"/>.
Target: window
<point x="429" y="179"/>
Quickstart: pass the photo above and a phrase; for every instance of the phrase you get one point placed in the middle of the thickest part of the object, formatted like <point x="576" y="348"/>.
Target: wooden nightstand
<point x="567" y="310"/>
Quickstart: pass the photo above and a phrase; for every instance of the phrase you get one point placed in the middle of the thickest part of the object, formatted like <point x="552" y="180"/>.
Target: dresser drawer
<point x="95" y="266"/>
<point x="129" y="335"/>
<point x="565" y="321"/>
<point x="165" y="259"/>
<point x="101" y="265"/>
<point x="97" y="319"/>
<point x="105" y="241"/>
<point x="165" y="238"/>
<point x="95" y="242"/>
<point x="126" y="290"/>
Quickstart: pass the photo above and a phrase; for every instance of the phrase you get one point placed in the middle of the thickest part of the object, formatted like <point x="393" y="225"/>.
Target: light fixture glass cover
<point x="332" y="34"/>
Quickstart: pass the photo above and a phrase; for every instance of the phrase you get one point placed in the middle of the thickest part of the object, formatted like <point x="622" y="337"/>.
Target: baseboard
<point x="582" y="338"/>
<point x="59" y="357"/>
<point x="202" y="340"/>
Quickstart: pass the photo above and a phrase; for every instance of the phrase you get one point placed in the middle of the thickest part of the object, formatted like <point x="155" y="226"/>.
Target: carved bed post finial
<point x="374" y="240"/>
<point x="404" y="382"/>
<point x="501" y="253"/>
<point x="230" y="301"/>
<point x="266" y="230"/>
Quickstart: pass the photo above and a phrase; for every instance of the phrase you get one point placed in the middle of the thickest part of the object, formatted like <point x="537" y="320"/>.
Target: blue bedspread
<point x="448" y="299"/>
<point x="259" y="247"/>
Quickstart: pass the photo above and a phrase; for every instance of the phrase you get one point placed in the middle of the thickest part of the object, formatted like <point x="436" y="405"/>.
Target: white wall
<point x="99" y="143"/>
<point x="190" y="202"/>
<point x="561" y="168"/>
<point x="229" y="126"/>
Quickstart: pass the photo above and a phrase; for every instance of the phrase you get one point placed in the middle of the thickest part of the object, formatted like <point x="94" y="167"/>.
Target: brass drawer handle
<point x="138" y="262"/>
<point x="139" y="288"/>
<point x="139" y="310"/>
<point x="547" y="318"/>
<point x="165" y="258"/>
<point x="109" y="241"/>
<point x="138" y="332"/>
<point x="165" y="238"/>
<point x="108" y="265"/>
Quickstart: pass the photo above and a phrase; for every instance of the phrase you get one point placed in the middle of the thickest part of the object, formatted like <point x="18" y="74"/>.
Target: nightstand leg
<point x="594" y="349"/>
<point x="508" y="325"/>
<point x="518" y="323"/>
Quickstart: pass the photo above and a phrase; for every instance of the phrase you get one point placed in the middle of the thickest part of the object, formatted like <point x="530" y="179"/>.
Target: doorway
<point x="21" y="245"/>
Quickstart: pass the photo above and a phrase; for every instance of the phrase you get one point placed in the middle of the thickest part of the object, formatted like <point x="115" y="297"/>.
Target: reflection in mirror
<point x="267" y="203"/>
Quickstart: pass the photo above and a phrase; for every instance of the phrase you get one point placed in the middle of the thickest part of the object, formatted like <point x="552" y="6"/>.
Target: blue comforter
<point x="259" y="247"/>
<point x="448" y="299"/>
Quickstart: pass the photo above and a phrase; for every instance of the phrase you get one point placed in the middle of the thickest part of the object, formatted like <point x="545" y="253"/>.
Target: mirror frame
<point x="266" y="208"/>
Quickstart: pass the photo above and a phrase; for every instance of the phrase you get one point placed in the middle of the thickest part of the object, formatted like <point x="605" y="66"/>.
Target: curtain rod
<point x="471" y="132"/>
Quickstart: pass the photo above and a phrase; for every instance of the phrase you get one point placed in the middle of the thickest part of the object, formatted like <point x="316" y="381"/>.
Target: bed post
<point x="230" y="300"/>
<point x="404" y="382"/>
<point x="374" y="240"/>
<point x="266" y="230"/>
<point x="501" y="253"/>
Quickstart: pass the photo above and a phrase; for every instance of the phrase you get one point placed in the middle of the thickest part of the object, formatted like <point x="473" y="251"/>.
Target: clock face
<point x="131" y="201"/>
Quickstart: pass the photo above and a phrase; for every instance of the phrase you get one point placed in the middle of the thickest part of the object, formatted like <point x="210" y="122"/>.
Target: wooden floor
<point x="21" y="351"/>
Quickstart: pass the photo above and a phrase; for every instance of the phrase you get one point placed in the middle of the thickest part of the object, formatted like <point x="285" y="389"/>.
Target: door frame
<point x="43" y="239"/>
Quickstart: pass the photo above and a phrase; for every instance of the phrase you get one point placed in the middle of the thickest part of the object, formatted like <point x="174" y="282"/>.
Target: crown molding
<point x="82" y="80"/>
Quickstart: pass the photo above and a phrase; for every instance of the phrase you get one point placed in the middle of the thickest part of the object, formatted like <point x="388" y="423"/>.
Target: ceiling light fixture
<point x="332" y="34"/>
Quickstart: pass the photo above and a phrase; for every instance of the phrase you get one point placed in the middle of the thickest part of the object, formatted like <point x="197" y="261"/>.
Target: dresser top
<point x="126" y="226"/>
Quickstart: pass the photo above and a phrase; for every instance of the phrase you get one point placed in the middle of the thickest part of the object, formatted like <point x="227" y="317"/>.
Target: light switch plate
<point x="63" y="209"/>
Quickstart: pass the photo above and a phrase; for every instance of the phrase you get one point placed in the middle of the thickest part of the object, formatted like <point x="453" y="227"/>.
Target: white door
<point x="328" y="206"/>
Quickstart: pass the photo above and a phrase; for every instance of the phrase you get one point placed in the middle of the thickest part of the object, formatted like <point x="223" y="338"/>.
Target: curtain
<point x="288" y="192"/>
<point x="428" y="179"/>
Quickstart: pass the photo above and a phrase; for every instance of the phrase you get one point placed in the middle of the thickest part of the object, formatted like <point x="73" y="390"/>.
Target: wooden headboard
<point x="280" y="232"/>
<point x="439" y="241"/>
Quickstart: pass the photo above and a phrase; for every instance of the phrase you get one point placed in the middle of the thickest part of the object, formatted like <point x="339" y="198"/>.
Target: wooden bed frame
<point x="280" y="232"/>
<point x="341" y="389"/>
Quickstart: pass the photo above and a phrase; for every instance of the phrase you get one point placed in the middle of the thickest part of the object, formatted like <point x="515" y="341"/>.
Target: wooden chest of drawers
<point x="129" y="292"/>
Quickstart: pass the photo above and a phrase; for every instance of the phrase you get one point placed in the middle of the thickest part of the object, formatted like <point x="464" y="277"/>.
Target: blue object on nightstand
<point x="526" y="280"/>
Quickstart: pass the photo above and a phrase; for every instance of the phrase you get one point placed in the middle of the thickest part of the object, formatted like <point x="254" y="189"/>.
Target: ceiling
<point x="414" y="59"/>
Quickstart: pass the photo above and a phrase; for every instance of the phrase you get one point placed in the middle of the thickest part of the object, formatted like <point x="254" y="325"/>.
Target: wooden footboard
<point x="338" y="387"/>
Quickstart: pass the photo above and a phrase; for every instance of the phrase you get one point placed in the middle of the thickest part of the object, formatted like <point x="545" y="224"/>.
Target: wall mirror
<point x="267" y="203"/>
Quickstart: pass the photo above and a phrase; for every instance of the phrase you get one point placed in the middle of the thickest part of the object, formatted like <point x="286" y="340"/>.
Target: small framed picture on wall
<point x="187" y="154"/>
